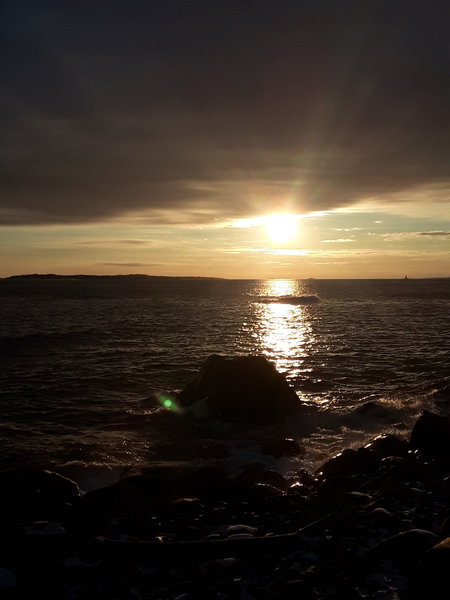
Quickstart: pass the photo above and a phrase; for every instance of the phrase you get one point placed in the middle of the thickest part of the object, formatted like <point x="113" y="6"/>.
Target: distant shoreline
<point x="53" y="276"/>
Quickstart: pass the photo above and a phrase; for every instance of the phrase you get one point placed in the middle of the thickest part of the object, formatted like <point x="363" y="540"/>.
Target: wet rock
<point x="356" y="498"/>
<point x="246" y="389"/>
<point x="348" y="463"/>
<point x="388" y="445"/>
<point x="235" y="529"/>
<point x="375" y="410"/>
<point x="381" y="516"/>
<point x="430" y="578"/>
<point x="431" y="436"/>
<point x="283" y="447"/>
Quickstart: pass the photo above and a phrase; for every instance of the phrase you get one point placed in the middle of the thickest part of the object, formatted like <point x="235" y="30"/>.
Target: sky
<point x="160" y="137"/>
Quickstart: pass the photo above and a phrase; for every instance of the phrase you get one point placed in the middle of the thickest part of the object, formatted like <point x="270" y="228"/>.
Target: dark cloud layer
<point x="196" y="111"/>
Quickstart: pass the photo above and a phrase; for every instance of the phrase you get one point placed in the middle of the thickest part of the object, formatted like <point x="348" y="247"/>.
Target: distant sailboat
<point x="406" y="276"/>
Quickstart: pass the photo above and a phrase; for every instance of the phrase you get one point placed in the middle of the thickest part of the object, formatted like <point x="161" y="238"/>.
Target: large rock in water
<point x="245" y="389"/>
<point x="431" y="436"/>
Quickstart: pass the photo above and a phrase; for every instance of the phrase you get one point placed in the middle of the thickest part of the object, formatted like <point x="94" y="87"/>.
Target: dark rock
<point x="214" y="451"/>
<point x="54" y="485"/>
<point x="430" y="578"/>
<point x="31" y="495"/>
<point x="306" y="479"/>
<point x="280" y="448"/>
<point x="250" y="475"/>
<point x="406" y="547"/>
<point x="261" y="491"/>
<point x="276" y="480"/>
<point x="443" y="530"/>
<point x="407" y="469"/>
<point x="210" y="481"/>
<point x="185" y="509"/>
<point x="348" y="463"/>
<point x="8" y="580"/>
<point x="345" y="589"/>
<point x="240" y="528"/>
<point x="245" y="389"/>
<point x="431" y="436"/>
<point x="356" y="498"/>
<point x="374" y="410"/>
<point x="381" y="516"/>
<point x="121" y="506"/>
<point x="162" y="485"/>
<point x="388" y="445"/>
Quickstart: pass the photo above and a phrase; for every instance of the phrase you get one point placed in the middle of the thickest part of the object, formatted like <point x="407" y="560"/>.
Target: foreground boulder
<point x="406" y="547"/>
<point x="347" y="463"/>
<point x="430" y="578"/>
<point x="245" y="389"/>
<point x="122" y="507"/>
<point x="34" y="495"/>
<point x="283" y="447"/>
<point x="384" y="446"/>
<point x="431" y="436"/>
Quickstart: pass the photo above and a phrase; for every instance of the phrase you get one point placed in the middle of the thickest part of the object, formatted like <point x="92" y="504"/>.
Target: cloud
<point x="405" y="235"/>
<point x="276" y="263"/>
<point x="114" y="243"/>
<point x="339" y="241"/>
<point x="131" y="264"/>
<point x="175" y="113"/>
<point x="435" y="233"/>
<point x="347" y="229"/>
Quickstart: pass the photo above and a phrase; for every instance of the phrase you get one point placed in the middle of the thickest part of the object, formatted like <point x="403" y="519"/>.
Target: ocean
<point x="87" y="361"/>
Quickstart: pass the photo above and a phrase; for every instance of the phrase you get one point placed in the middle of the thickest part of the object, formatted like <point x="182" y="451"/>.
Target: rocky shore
<point x="371" y="522"/>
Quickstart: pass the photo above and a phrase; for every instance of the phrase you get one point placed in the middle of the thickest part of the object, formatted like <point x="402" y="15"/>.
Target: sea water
<point x="86" y="364"/>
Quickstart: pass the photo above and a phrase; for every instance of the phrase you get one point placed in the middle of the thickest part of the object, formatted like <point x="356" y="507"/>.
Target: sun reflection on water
<point x="285" y="331"/>
<point x="280" y="287"/>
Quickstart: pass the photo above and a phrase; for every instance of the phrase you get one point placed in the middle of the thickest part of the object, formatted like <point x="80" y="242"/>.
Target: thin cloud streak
<point x="339" y="241"/>
<point x="130" y="264"/>
<point x="406" y="235"/>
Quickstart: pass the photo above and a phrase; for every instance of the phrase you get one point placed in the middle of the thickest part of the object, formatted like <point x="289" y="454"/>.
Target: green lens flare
<point x="167" y="402"/>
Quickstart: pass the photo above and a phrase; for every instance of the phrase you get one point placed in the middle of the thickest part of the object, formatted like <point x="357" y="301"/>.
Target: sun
<point x="280" y="227"/>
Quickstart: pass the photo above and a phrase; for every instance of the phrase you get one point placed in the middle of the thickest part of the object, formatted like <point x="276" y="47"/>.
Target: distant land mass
<point x="92" y="286"/>
<point x="46" y="276"/>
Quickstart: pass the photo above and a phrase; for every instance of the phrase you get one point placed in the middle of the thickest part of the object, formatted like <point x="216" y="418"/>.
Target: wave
<point x="297" y="300"/>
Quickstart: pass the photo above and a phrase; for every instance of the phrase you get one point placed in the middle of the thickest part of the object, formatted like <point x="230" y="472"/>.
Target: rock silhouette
<point x="246" y="389"/>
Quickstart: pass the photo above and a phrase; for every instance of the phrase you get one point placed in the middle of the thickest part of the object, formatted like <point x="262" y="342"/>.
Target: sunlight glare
<point x="280" y="287"/>
<point x="280" y="227"/>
